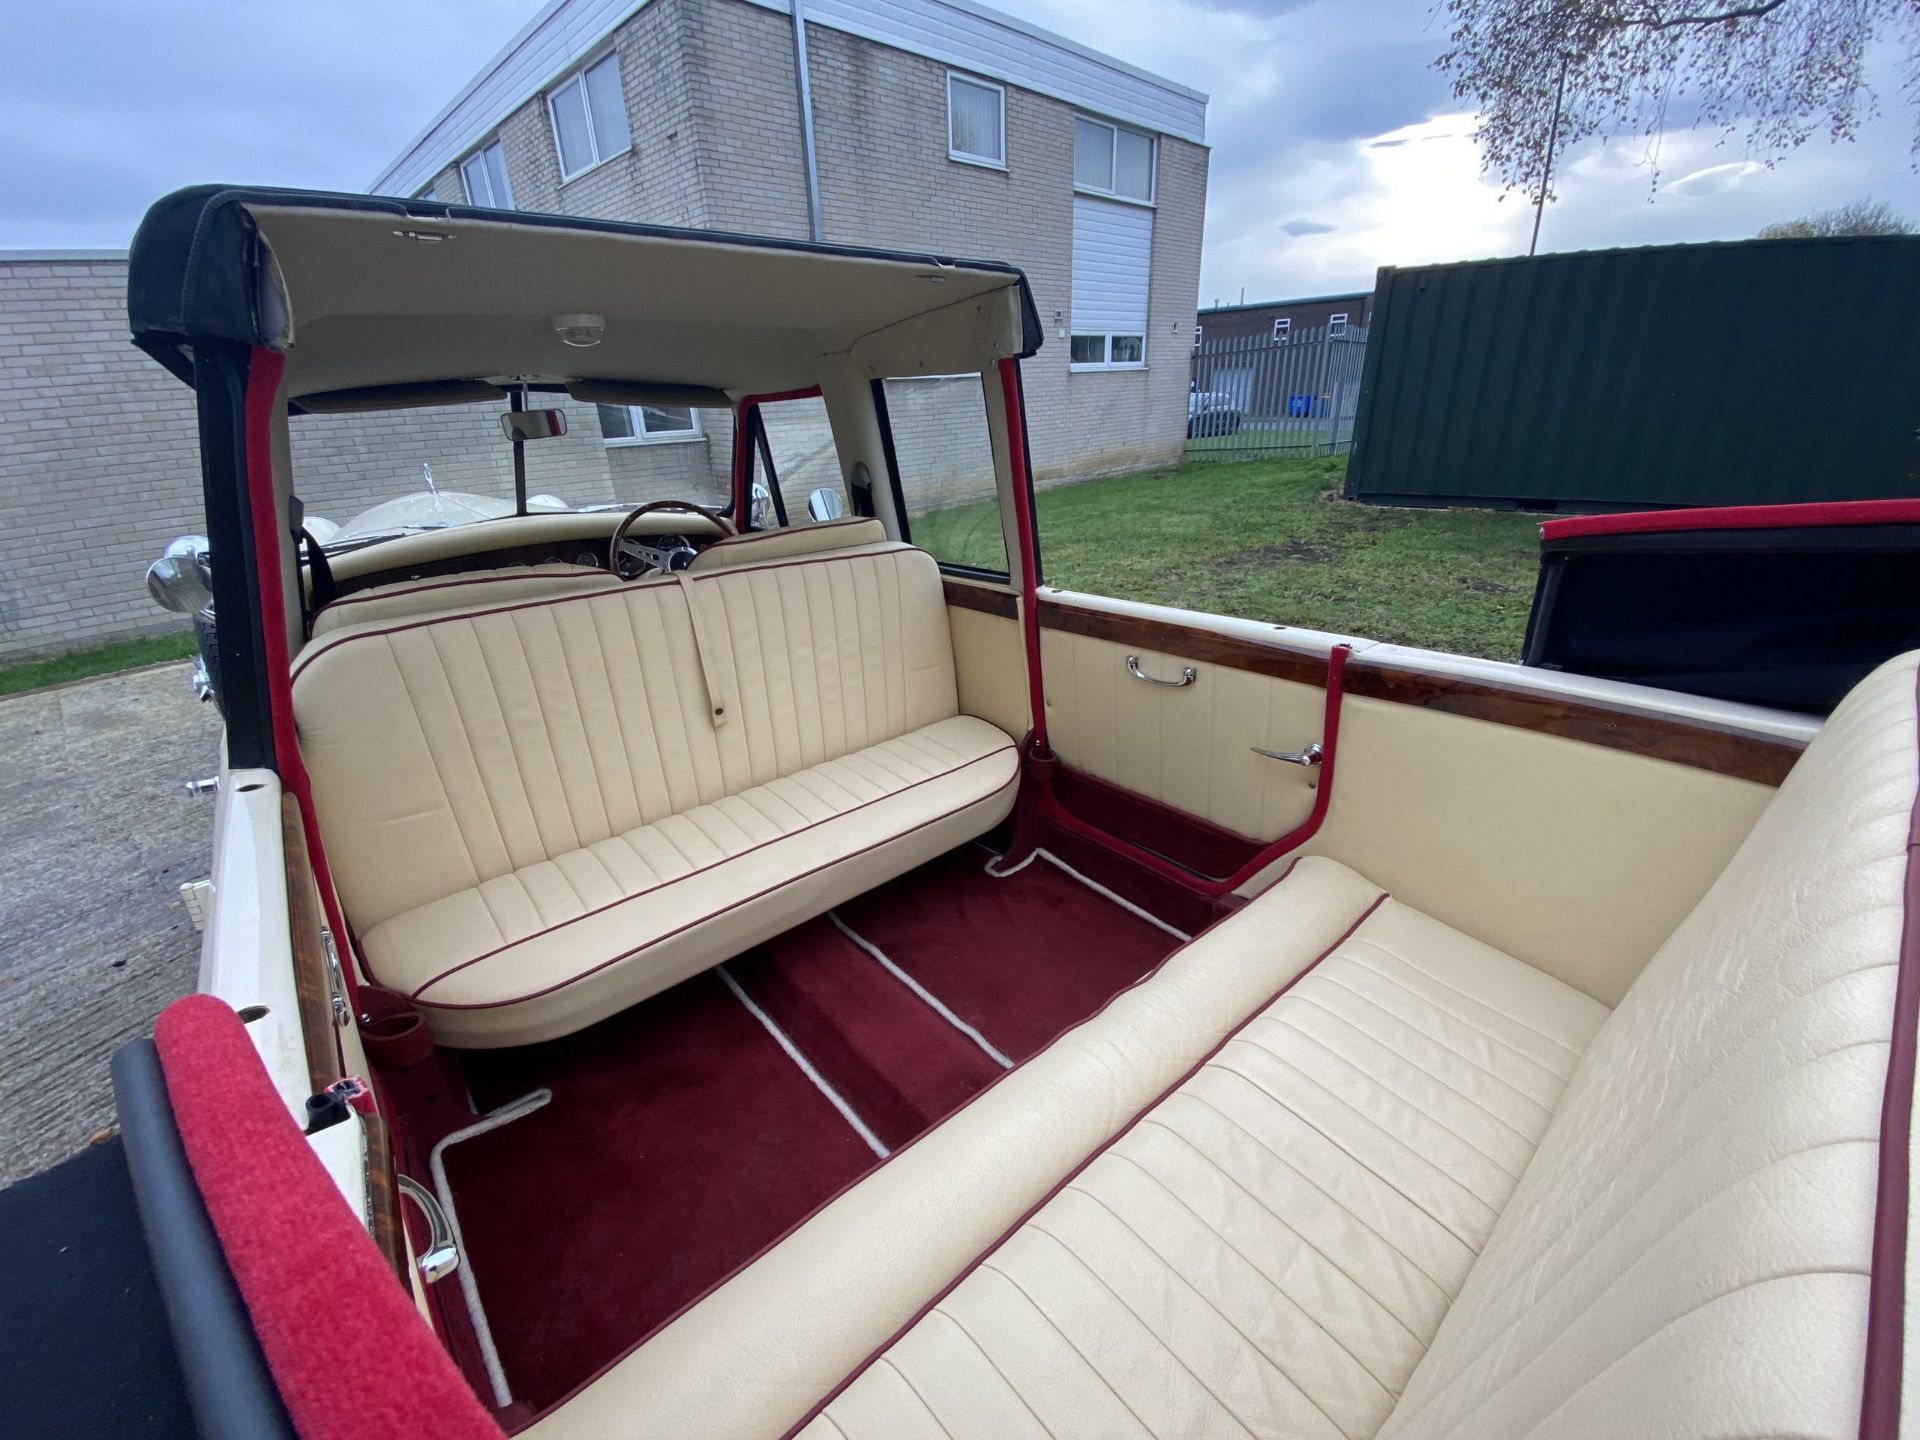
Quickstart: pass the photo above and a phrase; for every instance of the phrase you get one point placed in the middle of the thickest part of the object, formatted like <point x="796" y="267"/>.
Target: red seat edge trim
<point x="348" y="1351"/>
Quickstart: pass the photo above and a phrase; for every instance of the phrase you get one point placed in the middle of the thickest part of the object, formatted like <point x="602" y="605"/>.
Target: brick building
<point x="938" y="125"/>
<point x="1276" y="319"/>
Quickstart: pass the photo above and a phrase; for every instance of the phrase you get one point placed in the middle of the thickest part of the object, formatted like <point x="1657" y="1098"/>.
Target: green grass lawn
<point x="1264" y="539"/>
<point x="101" y="660"/>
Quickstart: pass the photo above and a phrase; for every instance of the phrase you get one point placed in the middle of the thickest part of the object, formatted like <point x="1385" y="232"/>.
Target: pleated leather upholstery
<point x="483" y="777"/>
<point x="1271" y="1250"/>
<point x="1433" y="1193"/>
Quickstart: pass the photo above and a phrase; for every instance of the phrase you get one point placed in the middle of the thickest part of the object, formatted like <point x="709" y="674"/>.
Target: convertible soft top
<point x="365" y="292"/>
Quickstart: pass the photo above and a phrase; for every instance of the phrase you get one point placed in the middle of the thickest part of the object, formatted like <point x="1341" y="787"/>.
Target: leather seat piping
<point x="714" y="914"/>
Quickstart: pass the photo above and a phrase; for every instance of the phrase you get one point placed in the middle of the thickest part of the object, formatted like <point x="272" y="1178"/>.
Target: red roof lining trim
<point x="1734" y="517"/>
<point x="1074" y="1173"/>
<point x="692" y="874"/>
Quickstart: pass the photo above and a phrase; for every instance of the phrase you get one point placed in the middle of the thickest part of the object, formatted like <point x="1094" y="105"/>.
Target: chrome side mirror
<point x="523" y="425"/>
<point x="826" y="504"/>
<point x="181" y="580"/>
<point x="761" y="512"/>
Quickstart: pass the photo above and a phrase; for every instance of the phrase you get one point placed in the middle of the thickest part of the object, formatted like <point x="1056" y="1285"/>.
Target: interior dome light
<point x="580" y="331"/>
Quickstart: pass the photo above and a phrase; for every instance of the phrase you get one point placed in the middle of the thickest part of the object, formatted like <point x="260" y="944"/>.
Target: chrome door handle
<point x="441" y="1257"/>
<point x="1312" y="755"/>
<point x="1187" y="677"/>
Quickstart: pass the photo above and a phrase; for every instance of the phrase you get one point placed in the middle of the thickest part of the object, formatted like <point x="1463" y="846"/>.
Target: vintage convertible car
<point x="790" y="987"/>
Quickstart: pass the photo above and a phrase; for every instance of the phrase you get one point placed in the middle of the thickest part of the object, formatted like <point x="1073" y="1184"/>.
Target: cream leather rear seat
<point x="1414" y="1189"/>
<point x="539" y="813"/>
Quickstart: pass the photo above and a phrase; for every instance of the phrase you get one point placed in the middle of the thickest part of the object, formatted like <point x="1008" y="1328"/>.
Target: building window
<point x="1198" y="331"/>
<point x="430" y="193"/>
<point x="1336" y="327"/>
<point x="589" y="112"/>
<point x="1111" y="160"/>
<point x="1280" y="328"/>
<point x="484" y="173"/>
<point x="642" y="424"/>
<point x="1112" y="273"/>
<point x="1108" y="352"/>
<point x="976" y="121"/>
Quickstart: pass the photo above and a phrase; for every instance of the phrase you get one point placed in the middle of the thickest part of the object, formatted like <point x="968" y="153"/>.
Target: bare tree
<point x="1773" y="71"/>
<point x="1857" y="217"/>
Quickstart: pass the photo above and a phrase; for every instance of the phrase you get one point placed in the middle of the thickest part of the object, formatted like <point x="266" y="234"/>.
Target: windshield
<point x="378" y="475"/>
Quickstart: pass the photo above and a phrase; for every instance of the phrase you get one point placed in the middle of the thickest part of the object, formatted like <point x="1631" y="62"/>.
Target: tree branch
<point x="1745" y="12"/>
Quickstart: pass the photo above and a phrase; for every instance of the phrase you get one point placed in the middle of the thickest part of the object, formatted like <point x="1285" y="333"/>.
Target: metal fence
<point x="1253" y="397"/>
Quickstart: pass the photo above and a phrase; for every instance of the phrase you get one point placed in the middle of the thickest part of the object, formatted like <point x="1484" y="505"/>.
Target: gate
<point x="1252" y="397"/>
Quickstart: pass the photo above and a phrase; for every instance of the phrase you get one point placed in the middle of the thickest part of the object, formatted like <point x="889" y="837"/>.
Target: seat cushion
<point x="557" y="944"/>
<point x="1271" y="1248"/>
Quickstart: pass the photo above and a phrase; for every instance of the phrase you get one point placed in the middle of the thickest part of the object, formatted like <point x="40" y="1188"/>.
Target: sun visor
<point x="646" y="392"/>
<point x="398" y="397"/>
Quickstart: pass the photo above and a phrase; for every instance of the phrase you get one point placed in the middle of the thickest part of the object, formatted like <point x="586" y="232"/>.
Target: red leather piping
<point x="861" y="1178"/>
<point x="691" y="874"/>
<point x="328" y="643"/>
<point x="1073" y="1174"/>
<point x="264" y="368"/>
<point x="1887" y="1292"/>
<point x="1214" y="886"/>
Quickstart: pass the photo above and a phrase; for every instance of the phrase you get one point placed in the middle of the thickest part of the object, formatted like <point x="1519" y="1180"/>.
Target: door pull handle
<point x="1187" y="677"/>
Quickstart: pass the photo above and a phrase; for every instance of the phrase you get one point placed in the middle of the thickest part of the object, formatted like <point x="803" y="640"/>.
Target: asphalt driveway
<point x="96" y="835"/>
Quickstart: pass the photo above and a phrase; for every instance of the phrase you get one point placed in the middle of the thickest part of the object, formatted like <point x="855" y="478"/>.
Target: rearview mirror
<point x="522" y="425"/>
<point x="825" y="504"/>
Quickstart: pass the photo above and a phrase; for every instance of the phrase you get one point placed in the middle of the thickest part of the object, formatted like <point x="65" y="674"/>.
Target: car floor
<point x="633" y="1166"/>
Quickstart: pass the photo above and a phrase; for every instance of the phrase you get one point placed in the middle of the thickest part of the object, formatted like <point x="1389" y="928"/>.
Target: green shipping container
<point x="1747" y="372"/>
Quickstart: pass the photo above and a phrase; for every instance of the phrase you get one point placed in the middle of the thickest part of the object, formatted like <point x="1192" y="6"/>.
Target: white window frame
<point x="965" y="157"/>
<point x="1198" y="331"/>
<point x="1109" y="363"/>
<point x="479" y="156"/>
<point x="1153" y="165"/>
<point x="1282" y="327"/>
<point x="1336" y="326"/>
<point x="643" y="436"/>
<point x="579" y="77"/>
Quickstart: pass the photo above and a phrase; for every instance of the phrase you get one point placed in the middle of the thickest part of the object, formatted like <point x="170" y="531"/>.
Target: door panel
<point x="989" y="660"/>
<point x="1188" y="747"/>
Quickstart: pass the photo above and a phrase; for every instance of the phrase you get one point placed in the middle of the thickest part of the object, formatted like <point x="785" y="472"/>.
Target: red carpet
<point x="681" y="1139"/>
<point x="1020" y="958"/>
<point x="899" y="1065"/>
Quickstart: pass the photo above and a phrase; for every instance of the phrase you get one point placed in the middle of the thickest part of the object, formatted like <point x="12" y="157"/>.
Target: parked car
<point x="1212" y="412"/>
<point x="771" y="984"/>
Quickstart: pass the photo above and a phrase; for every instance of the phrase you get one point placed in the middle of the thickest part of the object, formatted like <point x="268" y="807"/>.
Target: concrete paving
<point x="96" y="835"/>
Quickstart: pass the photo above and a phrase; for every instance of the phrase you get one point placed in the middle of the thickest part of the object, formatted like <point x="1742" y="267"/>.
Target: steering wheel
<point x="721" y="523"/>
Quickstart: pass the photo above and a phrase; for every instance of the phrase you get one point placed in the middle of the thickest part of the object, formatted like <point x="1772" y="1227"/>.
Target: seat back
<point x="449" y="749"/>
<point x="1689" y="1251"/>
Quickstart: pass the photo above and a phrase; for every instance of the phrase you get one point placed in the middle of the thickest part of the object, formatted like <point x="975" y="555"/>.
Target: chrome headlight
<point x="181" y="580"/>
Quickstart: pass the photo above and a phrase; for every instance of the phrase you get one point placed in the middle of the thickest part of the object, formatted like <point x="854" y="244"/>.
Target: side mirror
<point x="825" y="504"/>
<point x="181" y="580"/>
<point x="762" y="510"/>
<point x="520" y="426"/>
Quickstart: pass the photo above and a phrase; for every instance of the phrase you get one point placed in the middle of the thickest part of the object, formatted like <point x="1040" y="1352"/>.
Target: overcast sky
<point x="1336" y="147"/>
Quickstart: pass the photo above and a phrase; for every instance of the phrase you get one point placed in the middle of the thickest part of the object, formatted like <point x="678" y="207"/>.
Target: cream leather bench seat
<point x="1339" y="1170"/>
<point x="539" y="813"/>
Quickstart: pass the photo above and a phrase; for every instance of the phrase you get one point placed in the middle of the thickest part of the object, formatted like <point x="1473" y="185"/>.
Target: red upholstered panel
<point x="350" y="1354"/>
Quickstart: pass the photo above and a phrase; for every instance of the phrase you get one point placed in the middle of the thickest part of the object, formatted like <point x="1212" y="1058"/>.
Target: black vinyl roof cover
<point x="194" y="262"/>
